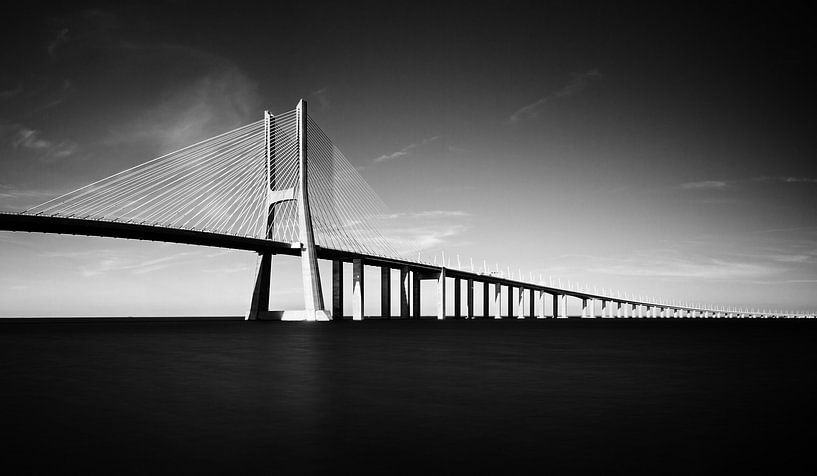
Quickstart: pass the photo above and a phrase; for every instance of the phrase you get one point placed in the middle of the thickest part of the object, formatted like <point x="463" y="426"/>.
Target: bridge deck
<point x="112" y="229"/>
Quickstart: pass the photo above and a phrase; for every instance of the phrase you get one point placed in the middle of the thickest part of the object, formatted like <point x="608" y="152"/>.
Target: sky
<point x="658" y="149"/>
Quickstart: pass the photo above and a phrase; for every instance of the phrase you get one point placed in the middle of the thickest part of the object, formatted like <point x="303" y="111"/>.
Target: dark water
<point x="611" y="396"/>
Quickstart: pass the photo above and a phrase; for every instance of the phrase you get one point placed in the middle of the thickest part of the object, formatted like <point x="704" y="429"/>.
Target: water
<point x="647" y="396"/>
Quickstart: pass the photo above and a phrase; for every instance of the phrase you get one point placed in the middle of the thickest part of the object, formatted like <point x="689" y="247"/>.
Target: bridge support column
<point x="555" y="305"/>
<point x="586" y="312"/>
<point x="486" y="306"/>
<point x="605" y="308"/>
<point x="337" y="289"/>
<point x="497" y="301"/>
<point x="385" y="292"/>
<point x="457" y="298"/>
<point x="531" y="303"/>
<point x="510" y="301"/>
<point x="618" y="305"/>
<point x="521" y="304"/>
<point x="404" y="292"/>
<point x="260" y="294"/>
<point x="626" y="310"/>
<point x="563" y="307"/>
<point x="541" y="296"/>
<point x="469" y="299"/>
<point x="357" y="290"/>
<point x="441" y="295"/>
<point x="416" y="288"/>
<point x="653" y="311"/>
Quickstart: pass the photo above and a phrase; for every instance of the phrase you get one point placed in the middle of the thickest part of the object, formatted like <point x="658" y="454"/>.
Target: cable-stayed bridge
<point x="279" y="186"/>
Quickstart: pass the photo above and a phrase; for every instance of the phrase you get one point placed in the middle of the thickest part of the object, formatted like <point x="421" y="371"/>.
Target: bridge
<point x="279" y="186"/>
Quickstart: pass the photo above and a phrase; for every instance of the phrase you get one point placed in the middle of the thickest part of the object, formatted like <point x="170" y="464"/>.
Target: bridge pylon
<point x="314" y="309"/>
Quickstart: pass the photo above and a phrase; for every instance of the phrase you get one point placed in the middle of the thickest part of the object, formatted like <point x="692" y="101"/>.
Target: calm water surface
<point x="215" y="396"/>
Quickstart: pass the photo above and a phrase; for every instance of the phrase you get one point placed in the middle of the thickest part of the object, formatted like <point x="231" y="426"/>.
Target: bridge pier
<point x="497" y="300"/>
<point x="521" y="304"/>
<point x="618" y="305"/>
<point x="586" y="311"/>
<point x="260" y="294"/>
<point x="541" y="296"/>
<point x="469" y="299"/>
<point x="441" y="295"/>
<point x="416" y="289"/>
<point x="357" y="290"/>
<point x="457" y="298"/>
<point x="337" y="289"/>
<point x="509" y="298"/>
<point x="404" y="292"/>
<point x="531" y="303"/>
<point x="385" y="292"/>
<point x="486" y="306"/>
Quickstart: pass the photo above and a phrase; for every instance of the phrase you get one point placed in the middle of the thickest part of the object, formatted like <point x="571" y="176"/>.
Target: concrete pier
<point x="357" y="290"/>
<point x="497" y="301"/>
<point x="337" y="289"/>
<point x="415" y="294"/>
<point x="457" y="298"/>
<point x="510" y="302"/>
<point x="486" y="298"/>
<point x="385" y="292"/>
<point x="441" y="295"/>
<point x="469" y="299"/>
<point x="404" y="292"/>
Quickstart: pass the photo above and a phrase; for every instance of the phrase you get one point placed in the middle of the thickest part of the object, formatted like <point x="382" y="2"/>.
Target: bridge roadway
<point x="419" y="271"/>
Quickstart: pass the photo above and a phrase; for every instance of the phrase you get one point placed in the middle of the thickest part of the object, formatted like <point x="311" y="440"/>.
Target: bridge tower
<point x="314" y="309"/>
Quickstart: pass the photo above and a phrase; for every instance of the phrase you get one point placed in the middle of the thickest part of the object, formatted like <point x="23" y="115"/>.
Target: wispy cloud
<point x="407" y="150"/>
<point x="428" y="214"/>
<point x="27" y="139"/>
<point x="786" y="179"/>
<point x="60" y="39"/>
<point x="418" y="238"/>
<point x="17" y="199"/>
<point x="322" y="96"/>
<point x="705" y="185"/>
<point x="219" y="98"/>
<point x="112" y="261"/>
<point x="410" y="232"/>
<point x="577" y="84"/>
<point x="11" y="92"/>
<point x="734" y="183"/>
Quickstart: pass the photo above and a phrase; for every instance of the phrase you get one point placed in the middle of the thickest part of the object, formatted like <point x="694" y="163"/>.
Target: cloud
<point x="705" y="185"/>
<point x="668" y="264"/>
<point x="24" y="138"/>
<point x="578" y="83"/>
<point x="13" y="92"/>
<point x="116" y="261"/>
<point x="410" y="232"/>
<point x="429" y="214"/>
<point x="418" y="238"/>
<point x="60" y="39"/>
<point x="407" y="150"/>
<point x="322" y="96"/>
<point x="785" y="179"/>
<point x="13" y="198"/>
<point x="214" y="96"/>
